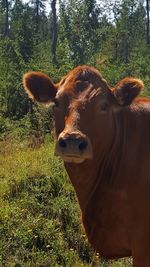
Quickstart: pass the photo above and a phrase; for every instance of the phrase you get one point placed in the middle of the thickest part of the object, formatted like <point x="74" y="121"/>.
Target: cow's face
<point x="83" y="108"/>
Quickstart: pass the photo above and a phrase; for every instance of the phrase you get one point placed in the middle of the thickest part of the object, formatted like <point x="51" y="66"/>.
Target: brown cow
<point x="103" y="136"/>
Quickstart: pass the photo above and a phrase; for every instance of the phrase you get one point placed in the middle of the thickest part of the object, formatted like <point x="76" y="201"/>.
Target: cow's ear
<point x="39" y="87"/>
<point x="126" y="90"/>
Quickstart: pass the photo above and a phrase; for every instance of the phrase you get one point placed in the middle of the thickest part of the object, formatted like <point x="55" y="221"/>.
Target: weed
<point x="40" y="223"/>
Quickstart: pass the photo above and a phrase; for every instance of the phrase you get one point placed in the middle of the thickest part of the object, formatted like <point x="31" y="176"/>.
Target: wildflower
<point x="96" y="257"/>
<point x="22" y="210"/>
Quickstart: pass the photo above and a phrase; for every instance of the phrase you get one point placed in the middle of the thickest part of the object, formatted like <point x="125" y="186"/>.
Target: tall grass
<point x="40" y="217"/>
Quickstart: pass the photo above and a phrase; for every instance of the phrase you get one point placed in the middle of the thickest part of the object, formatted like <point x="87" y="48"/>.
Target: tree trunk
<point x="6" y="32"/>
<point x="37" y="20"/>
<point x="148" y="23"/>
<point x="54" y="32"/>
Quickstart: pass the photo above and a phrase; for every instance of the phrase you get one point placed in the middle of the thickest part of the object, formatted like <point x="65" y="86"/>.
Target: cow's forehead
<point x="80" y="79"/>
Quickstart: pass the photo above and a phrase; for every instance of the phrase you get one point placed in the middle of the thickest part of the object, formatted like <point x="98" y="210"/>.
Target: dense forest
<point x="113" y="36"/>
<point x="39" y="220"/>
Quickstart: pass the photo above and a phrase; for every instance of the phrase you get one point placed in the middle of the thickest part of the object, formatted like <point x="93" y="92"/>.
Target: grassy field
<point x="40" y="218"/>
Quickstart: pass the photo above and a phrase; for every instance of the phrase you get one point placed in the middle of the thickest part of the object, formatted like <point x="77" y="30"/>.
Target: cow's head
<point x="83" y="107"/>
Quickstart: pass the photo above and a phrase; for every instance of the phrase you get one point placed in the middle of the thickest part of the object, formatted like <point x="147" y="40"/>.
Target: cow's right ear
<point x="127" y="90"/>
<point x="39" y="87"/>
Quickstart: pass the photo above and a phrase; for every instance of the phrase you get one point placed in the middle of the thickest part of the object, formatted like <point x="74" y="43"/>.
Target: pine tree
<point x="53" y="32"/>
<point x="148" y="22"/>
<point x="21" y="30"/>
<point x="38" y="12"/>
<point x="80" y="21"/>
<point x="5" y="6"/>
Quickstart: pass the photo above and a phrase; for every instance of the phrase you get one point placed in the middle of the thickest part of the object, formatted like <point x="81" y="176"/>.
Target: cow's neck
<point x="110" y="168"/>
<point x="81" y="178"/>
<point x="87" y="176"/>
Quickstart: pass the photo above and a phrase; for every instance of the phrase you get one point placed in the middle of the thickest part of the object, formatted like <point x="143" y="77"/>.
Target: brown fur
<point x="127" y="89"/>
<point x="40" y="86"/>
<point x="103" y="136"/>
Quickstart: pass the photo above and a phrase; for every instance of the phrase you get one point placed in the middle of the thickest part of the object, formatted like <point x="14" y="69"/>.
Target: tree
<point x="148" y="23"/>
<point x="38" y="10"/>
<point x="21" y="30"/>
<point x="53" y="32"/>
<point x="79" y="22"/>
<point x="12" y="65"/>
<point x="5" y="5"/>
<point x="129" y="23"/>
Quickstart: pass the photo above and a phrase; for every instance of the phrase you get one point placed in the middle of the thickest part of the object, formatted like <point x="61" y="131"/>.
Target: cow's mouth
<point x="73" y="159"/>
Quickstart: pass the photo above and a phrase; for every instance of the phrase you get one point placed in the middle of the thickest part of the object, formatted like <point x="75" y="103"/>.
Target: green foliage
<point x="39" y="215"/>
<point x="79" y="24"/>
<point x="11" y="93"/>
<point x="86" y="34"/>
<point x="22" y="30"/>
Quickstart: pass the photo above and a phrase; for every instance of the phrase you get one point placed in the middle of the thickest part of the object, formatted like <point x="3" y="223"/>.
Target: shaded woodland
<point x="57" y="36"/>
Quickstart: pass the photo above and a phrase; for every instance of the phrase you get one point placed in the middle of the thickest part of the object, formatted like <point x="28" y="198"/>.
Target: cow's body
<point x="114" y="195"/>
<point x="104" y="139"/>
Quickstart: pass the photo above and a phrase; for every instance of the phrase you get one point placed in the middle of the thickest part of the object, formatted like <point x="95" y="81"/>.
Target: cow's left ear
<point x="126" y="90"/>
<point x="39" y="87"/>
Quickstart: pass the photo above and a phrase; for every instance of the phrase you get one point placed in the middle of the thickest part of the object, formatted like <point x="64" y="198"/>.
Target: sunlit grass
<point x="40" y="217"/>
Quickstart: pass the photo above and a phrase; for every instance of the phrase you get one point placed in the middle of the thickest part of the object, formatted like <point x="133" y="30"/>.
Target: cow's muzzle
<point x="73" y="147"/>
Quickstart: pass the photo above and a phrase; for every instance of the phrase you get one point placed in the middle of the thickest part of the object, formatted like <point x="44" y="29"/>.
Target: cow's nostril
<point x="62" y="143"/>
<point x="82" y="145"/>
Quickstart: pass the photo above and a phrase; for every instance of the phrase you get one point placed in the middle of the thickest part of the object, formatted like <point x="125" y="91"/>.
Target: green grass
<point x="40" y="218"/>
